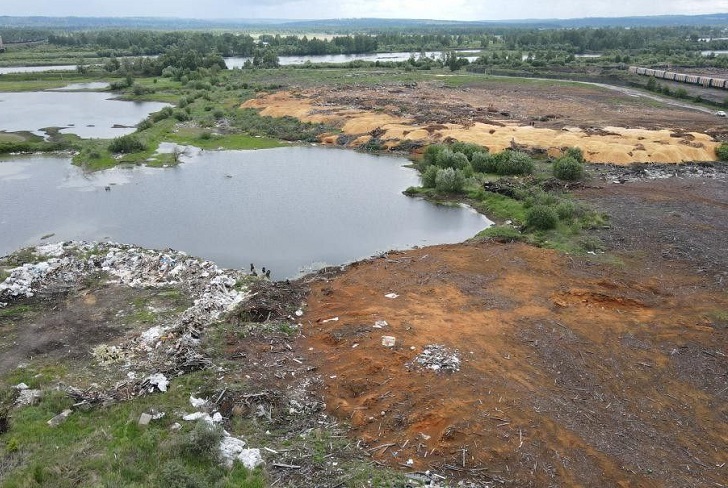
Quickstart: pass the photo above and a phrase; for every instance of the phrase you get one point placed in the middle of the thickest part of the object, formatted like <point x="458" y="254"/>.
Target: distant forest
<point x="108" y="42"/>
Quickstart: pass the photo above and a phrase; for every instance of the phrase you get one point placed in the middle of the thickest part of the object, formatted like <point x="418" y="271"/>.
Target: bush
<point x="145" y="124"/>
<point x="458" y="161"/>
<point x="429" y="176"/>
<point x="481" y="162"/>
<point x="567" y="210"/>
<point x="449" y="180"/>
<point x="181" y="115"/>
<point x="515" y="163"/>
<point x="568" y="169"/>
<point x="541" y="217"/>
<point x="467" y="148"/>
<point x="166" y="112"/>
<point x="576" y="153"/>
<point x="127" y="144"/>
<point x="722" y="151"/>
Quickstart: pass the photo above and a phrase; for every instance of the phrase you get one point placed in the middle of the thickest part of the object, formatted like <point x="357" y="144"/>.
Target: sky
<point x="332" y="9"/>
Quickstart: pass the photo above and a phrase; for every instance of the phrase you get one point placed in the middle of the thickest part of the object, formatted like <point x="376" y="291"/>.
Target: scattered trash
<point x="299" y="313"/>
<point x="60" y="418"/>
<point x="144" y="419"/>
<point x="391" y="295"/>
<point x="388" y="341"/>
<point x="410" y="462"/>
<point x="197" y="402"/>
<point x="437" y="358"/>
<point x="21" y="386"/>
<point x="159" y="380"/>
<point x="28" y="397"/>
<point x="380" y="324"/>
<point x="232" y="448"/>
<point x="334" y="319"/>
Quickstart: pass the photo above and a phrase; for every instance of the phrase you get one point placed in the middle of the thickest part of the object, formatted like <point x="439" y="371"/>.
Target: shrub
<point x="567" y="210"/>
<point x="568" y="168"/>
<point x="459" y="161"/>
<point x="449" y="180"/>
<point x="202" y="441"/>
<point x="174" y="474"/>
<point x="515" y="163"/>
<point x="126" y="144"/>
<point x="467" y="148"/>
<point x="166" y="112"/>
<point x="145" y="124"/>
<point x="480" y="162"/>
<point x="576" y="153"/>
<point x="181" y="115"/>
<point x="541" y="217"/>
<point x="429" y="176"/>
<point x="444" y="158"/>
<point x="722" y="151"/>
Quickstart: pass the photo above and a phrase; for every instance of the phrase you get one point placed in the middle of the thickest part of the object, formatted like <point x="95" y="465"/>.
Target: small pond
<point x="289" y="209"/>
<point x="87" y="114"/>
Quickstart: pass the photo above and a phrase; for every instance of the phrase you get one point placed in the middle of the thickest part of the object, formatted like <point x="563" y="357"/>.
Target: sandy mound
<point x="609" y="144"/>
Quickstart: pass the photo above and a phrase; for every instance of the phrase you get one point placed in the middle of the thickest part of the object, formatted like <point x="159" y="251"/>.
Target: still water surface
<point x="289" y="209"/>
<point x="87" y="114"/>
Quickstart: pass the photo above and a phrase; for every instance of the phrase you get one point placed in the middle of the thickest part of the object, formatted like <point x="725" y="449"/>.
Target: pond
<point x="87" y="114"/>
<point x="289" y="209"/>
<point x="236" y="62"/>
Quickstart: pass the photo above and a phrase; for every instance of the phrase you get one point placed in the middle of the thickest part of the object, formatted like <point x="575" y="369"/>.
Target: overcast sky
<point x="329" y="9"/>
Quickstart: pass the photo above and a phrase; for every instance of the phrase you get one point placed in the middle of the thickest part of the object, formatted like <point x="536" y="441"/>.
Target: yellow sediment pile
<point x="608" y="145"/>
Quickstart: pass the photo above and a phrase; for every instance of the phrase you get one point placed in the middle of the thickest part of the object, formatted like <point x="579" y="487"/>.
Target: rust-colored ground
<point x="608" y="125"/>
<point x="576" y="371"/>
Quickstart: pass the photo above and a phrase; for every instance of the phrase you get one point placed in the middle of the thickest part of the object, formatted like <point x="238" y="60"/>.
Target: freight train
<point x="706" y="81"/>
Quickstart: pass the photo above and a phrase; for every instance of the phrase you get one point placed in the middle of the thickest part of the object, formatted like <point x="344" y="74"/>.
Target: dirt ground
<point x="64" y="326"/>
<point x="575" y="371"/>
<point x="608" y="125"/>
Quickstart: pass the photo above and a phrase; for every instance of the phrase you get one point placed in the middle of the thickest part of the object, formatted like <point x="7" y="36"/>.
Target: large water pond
<point x="290" y="209"/>
<point x="239" y="62"/>
<point x="87" y="114"/>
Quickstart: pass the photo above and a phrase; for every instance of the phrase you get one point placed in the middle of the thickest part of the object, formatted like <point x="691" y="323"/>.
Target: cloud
<point x="327" y="9"/>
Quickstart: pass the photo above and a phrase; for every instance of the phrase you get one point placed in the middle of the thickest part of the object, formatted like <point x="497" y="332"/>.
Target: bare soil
<point x="61" y="326"/>
<point x="609" y="125"/>
<point x="576" y="371"/>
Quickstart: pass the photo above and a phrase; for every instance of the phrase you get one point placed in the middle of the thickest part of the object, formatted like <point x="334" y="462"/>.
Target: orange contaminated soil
<point x="571" y="371"/>
<point x="496" y="116"/>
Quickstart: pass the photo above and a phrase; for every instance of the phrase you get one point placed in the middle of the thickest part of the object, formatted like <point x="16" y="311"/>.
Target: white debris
<point x="54" y="250"/>
<point x="391" y="295"/>
<point x="217" y="417"/>
<point x="152" y="335"/>
<point x="21" y="386"/>
<point x="230" y="448"/>
<point x="437" y="358"/>
<point x="159" y="380"/>
<point x="197" y="416"/>
<point x="333" y="319"/>
<point x="389" y="341"/>
<point x="251" y="458"/>
<point x="197" y="402"/>
<point x="299" y="313"/>
<point x="28" y="397"/>
<point x="380" y="324"/>
<point x="60" y="418"/>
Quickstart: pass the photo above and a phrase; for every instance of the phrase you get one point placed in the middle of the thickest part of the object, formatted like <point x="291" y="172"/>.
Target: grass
<point x="105" y="446"/>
